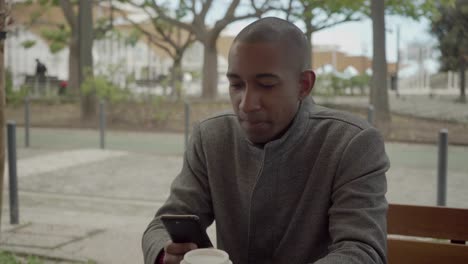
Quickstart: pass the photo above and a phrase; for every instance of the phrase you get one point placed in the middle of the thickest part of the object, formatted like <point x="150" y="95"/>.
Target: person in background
<point x="41" y="71"/>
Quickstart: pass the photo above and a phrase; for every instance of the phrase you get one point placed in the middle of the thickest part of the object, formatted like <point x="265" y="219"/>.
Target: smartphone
<point x="186" y="229"/>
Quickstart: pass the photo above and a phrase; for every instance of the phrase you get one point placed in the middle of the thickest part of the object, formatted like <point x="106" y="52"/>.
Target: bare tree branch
<point x="205" y="8"/>
<point x="324" y="23"/>
<point x="231" y="9"/>
<point x="69" y="14"/>
<point x="166" y="36"/>
<point x="171" y="20"/>
<point x="164" y="39"/>
<point x="191" y="39"/>
<point x="155" y="39"/>
<point x="192" y="6"/>
<point x="263" y="8"/>
<point x="288" y="11"/>
<point x="166" y="49"/>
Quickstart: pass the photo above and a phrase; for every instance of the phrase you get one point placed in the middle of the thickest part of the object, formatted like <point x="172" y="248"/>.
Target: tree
<point x="73" y="45"/>
<point x="379" y="92"/>
<point x="4" y="13"/>
<point x="68" y="35"/>
<point x="170" y="38"/>
<point x="450" y="26"/>
<point x="61" y="35"/>
<point x="196" y="23"/>
<point x="85" y="33"/>
<point x="378" y="9"/>
<point x="318" y="14"/>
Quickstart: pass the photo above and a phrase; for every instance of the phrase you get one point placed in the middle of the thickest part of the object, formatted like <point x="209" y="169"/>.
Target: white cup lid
<point x="206" y="256"/>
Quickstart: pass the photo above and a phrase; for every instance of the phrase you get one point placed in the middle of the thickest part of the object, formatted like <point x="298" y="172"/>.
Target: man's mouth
<point x="254" y="124"/>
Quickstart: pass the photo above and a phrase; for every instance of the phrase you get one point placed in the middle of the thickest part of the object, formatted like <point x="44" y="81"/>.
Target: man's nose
<point x="250" y="101"/>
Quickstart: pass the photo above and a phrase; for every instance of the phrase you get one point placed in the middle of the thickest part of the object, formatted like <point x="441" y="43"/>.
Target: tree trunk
<point x="176" y="78"/>
<point x="379" y="92"/>
<point x="462" y="98"/>
<point x="309" y="32"/>
<point x="73" y="66"/>
<point x="88" y="101"/>
<point x="2" y="104"/>
<point x="210" y="69"/>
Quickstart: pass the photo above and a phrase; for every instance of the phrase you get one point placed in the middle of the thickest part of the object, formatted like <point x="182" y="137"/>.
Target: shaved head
<point x="271" y="30"/>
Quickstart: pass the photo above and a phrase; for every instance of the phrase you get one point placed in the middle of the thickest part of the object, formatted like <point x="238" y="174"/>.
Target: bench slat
<point x="428" y="221"/>
<point x="414" y="252"/>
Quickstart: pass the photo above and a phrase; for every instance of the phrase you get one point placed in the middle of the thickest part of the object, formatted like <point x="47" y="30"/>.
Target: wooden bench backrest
<point x="440" y="223"/>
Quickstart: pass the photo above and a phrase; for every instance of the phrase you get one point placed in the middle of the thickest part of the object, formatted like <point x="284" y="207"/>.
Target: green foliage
<point x="44" y="2"/>
<point x="102" y="86"/>
<point x="58" y="38"/>
<point x="161" y="114"/>
<point x="196" y="75"/>
<point x="17" y="97"/>
<point x="34" y="260"/>
<point x="338" y="84"/>
<point x="133" y="37"/>
<point x="102" y="26"/>
<point x="13" y="97"/>
<point x="8" y="81"/>
<point x="333" y="85"/>
<point x="451" y="29"/>
<point x="362" y="82"/>
<point x="318" y="14"/>
<point x="104" y="89"/>
<point x="8" y="258"/>
<point x="28" y="44"/>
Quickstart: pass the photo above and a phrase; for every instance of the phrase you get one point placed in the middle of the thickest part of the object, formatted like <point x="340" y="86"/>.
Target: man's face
<point x="264" y="89"/>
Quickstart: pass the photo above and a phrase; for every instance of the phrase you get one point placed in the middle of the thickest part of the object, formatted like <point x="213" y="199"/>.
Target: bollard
<point x="442" y="168"/>
<point x="187" y="123"/>
<point x="370" y="114"/>
<point x="26" y="121"/>
<point x="13" y="180"/>
<point x="102" y="123"/>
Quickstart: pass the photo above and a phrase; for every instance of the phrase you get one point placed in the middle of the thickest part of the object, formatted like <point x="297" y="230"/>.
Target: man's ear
<point x="306" y="83"/>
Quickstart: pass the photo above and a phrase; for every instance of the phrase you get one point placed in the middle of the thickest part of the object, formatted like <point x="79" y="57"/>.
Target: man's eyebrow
<point x="266" y="75"/>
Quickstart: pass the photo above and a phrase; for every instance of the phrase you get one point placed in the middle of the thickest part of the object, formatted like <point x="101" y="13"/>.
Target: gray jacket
<point x="316" y="195"/>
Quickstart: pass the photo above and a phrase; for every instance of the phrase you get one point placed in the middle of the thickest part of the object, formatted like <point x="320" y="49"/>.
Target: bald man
<point x="286" y="180"/>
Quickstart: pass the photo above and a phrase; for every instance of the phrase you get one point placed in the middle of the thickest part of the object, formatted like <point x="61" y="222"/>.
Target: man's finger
<point x="179" y="248"/>
<point x="172" y="259"/>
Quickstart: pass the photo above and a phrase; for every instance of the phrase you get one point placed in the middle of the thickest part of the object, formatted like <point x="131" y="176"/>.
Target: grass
<point x="10" y="258"/>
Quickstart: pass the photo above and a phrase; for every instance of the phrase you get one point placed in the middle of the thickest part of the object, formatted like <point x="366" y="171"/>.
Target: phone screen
<point x="186" y="229"/>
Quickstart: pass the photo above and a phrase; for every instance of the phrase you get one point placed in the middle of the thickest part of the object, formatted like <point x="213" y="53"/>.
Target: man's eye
<point x="235" y="85"/>
<point x="266" y="85"/>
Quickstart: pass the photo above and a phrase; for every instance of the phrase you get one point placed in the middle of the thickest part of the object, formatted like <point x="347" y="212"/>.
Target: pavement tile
<point x="45" y="236"/>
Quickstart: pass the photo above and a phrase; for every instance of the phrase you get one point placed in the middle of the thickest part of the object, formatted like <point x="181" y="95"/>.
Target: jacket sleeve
<point x="358" y="212"/>
<point x="189" y="194"/>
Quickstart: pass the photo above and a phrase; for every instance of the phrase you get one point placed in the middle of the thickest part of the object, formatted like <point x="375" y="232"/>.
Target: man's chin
<point x="256" y="138"/>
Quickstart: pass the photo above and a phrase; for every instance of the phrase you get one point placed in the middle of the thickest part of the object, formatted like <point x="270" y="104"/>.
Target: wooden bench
<point x="427" y="234"/>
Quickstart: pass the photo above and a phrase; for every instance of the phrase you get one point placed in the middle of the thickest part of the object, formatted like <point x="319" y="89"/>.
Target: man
<point x="287" y="181"/>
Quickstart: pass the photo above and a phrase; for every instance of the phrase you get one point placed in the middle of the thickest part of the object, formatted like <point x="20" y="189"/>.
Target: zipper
<point x="259" y="175"/>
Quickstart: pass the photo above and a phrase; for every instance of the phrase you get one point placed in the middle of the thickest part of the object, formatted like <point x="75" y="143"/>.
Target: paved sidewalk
<point x="90" y="204"/>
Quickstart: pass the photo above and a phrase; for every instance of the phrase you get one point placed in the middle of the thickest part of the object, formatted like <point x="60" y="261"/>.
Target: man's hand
<point x="174" y="252"/>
